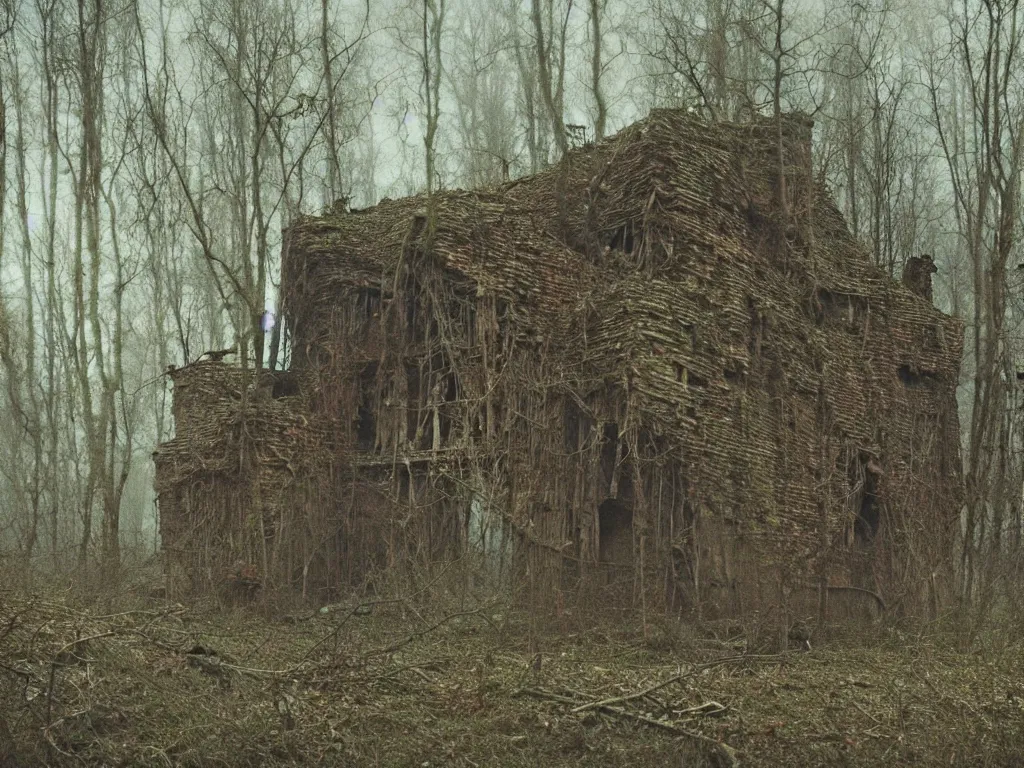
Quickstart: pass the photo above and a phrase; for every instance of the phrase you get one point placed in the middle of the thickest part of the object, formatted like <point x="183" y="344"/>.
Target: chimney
<point x="917" y="275"/>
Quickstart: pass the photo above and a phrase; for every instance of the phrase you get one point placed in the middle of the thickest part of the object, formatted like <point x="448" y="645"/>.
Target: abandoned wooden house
<point x="662" y="365"/>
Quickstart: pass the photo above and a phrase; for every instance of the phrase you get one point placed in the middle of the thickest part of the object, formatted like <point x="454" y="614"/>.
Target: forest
<point x="152" y="153"/>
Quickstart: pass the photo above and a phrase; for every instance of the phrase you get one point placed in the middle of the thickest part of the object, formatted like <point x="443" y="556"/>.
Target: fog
<point x="152" y="152"/>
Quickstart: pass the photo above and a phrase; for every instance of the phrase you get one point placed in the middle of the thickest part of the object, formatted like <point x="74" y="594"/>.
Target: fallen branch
<point x="707" y="709"/>
<point x="413" y="636"/>
<point x="727" y="753"/>
<point x="14" y="671"/>
<point x="641" y="694"/>
<point x="675" y="679"/>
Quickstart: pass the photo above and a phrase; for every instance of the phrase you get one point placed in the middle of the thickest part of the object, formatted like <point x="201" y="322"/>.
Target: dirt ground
<point x="384" y="684"/>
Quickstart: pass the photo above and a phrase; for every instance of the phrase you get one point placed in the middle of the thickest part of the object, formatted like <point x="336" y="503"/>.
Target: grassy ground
<point x="168" y="686"/>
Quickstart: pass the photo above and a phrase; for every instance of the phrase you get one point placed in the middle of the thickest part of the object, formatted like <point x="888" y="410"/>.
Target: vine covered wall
<point x="662" y="369"/>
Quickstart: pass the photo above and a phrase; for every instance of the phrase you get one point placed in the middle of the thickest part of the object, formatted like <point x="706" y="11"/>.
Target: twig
<point x="412" y="637"/>
<point x="73" y="646"/>
<point x="333" y="633"/>
<point x="12" y="623"/>
<point x="707" y="709"/>
<point x="664" y="725"/>
<point x="358" y="607"/>
<point x="727" y="753"/>
<point x="540" y="693"/>
<point x="675" y="679"/>
<point x="49" y="698"/>
<point x="641" y="694"/>
<point x="53" y="744"/>
<point x="19" y="672"/>
<point x="866" y="714"/>
<point x="416" y="668"/>
<point x="927" y="681"/>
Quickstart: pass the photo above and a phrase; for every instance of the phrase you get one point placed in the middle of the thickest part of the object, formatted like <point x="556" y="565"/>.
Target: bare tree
<point x="530" y="106"/>
<point x="550" y="30"/>
<point x="974" y="92"/>
<point x="338" y="56"/>
<point x="874" y="146"/>
<point x="97" y="332"/>
<point x="597" y="11"/>
<point x="485" y="113"/>
<point x="257" y="99"/>
<point x="716" y="48"/>
<point x="430" y="58"/>
<point x="24" y="467"/>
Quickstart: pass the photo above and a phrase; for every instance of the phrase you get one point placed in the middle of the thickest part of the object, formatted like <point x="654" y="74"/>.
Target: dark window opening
<point x="865" y="473"/>
<point x="733" y="376"/>
<point x="490" y="429"/>
<point x="794" y="236"/>
<point x="611" y="434"/>
<point x="410" y="312"/>
<point x="404" y="484"/>
<point x="696" y="381"/>
<point x="823" y="305"/>
<point x="431" y="410"/>
<point x="651" y="445"/>
<point x="426" y="440"/>
<point x="369" y="302"/>
<point x="449" y="394"/>
<point x="623" y="239"/>
<point x="839" y="308"/>
<point x="367" y="310"/>
<point x="911" y="377"/>
<point x="754" y="218"/>
<point x="680" y="372"/>
<point x="615" y="531"/>
<point x="412" y="393"/>
<point x="866" y="524"/>
<point x="419" y="225"/>
<point x="366" y="416"/>
<point x="413" y="309"/>
<point x="504" y="315"/>
<point x="285" y="386"/>
<point x="366" y="428"/>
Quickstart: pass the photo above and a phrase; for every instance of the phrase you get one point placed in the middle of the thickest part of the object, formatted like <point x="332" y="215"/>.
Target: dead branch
<point x="727" y="753"/>
<point x="675" y="679"/>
